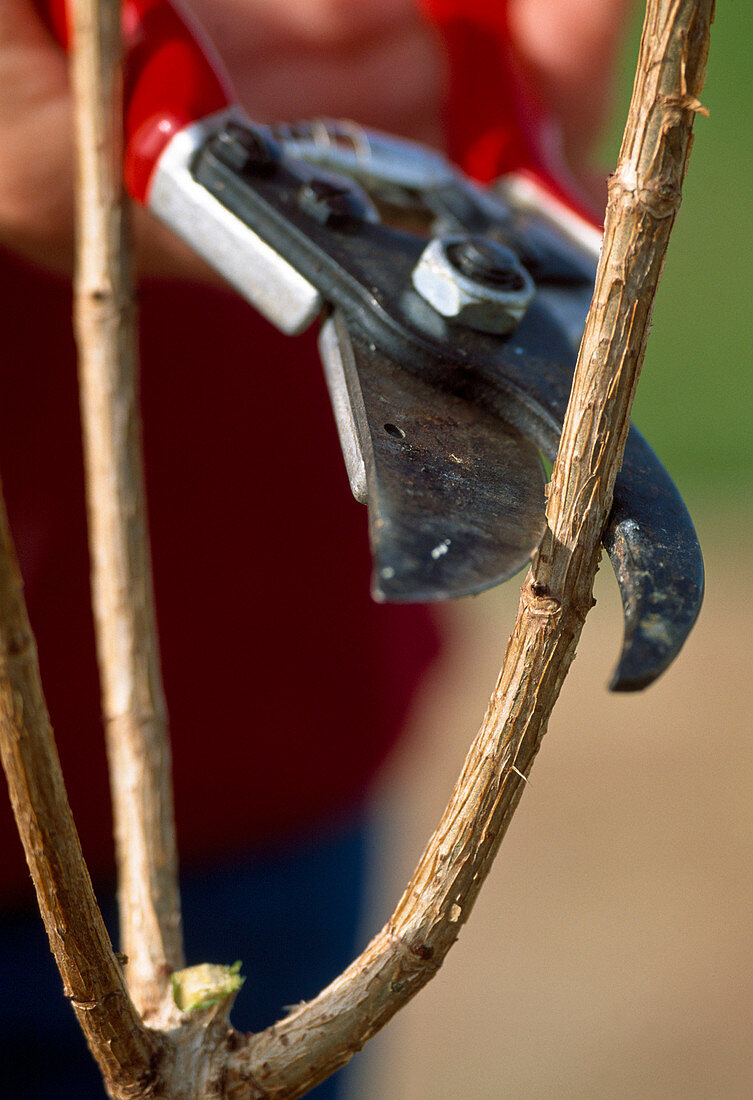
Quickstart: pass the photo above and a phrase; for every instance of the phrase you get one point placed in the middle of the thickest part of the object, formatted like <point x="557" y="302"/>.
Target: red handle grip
<point x="170" y="81"/>
<point x="496" y="123"/>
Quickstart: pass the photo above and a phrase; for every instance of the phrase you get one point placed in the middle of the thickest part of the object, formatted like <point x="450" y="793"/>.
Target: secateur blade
<point x="455" y="495"/>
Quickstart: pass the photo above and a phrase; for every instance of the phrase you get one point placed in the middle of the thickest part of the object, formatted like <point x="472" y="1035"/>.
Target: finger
<point x="33" y="68"/>
<point x="35" y="134"/>
<point x="569" y="47"/>
<point x="22" y="27"/>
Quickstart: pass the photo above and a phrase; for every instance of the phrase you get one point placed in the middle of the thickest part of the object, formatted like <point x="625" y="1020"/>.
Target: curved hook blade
<point x="657" y="560"/>
<point x="649" y="537"/>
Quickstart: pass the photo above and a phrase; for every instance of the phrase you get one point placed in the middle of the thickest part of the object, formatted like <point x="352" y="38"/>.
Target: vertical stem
<point x="318" y="1037"/>
<point x="126" y="1051"/>
<point x="133" y="702"/>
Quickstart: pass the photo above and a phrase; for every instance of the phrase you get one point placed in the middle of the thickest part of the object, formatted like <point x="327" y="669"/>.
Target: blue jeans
<point x="291" y="916"/>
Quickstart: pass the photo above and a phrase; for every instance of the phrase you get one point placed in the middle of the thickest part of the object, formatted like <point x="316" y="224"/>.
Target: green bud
<point x="205" y="985"/>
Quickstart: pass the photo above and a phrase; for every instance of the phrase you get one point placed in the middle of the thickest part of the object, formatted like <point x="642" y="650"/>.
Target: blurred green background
<point x="695" y="399"/>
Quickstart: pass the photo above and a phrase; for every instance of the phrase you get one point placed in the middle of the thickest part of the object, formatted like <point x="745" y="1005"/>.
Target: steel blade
<point x="455" y="495"/>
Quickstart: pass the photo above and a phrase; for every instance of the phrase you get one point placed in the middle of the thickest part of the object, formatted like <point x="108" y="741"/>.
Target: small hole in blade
<point x="394" y="431"/>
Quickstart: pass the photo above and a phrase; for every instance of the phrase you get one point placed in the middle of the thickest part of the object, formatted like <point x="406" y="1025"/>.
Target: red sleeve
<point x="286" y="684"/>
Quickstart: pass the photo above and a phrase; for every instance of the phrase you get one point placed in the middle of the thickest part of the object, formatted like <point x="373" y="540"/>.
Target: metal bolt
<point x="332" y="204"/>
<point x="246" y="149"/>
<point x="486" y="261"/>
<point x="475" y="282"/>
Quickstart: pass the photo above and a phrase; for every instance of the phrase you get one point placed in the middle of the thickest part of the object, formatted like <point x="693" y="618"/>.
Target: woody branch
<point x="319" y="1037"/>
<point x="132" y="697"/>
<point x="644" y="196"/>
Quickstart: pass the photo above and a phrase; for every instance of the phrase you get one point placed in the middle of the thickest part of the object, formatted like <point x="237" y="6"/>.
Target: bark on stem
<point x="92" y="978"/>
<point x="319" y="1037"/>
<point x="133" y="701"/>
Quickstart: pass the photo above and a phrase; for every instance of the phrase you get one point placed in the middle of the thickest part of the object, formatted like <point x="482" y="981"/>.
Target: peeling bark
<point x="133" y="704"/>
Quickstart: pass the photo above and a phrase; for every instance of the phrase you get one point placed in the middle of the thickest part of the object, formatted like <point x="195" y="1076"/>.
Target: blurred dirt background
<point x="611" y="951"/>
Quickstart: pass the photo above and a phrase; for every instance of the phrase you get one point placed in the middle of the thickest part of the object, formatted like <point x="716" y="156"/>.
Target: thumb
<point x="33" y="68"/>
<point x="25" y="40"/>
<point x="36" y="166"/>
<point x="22" y="26"/>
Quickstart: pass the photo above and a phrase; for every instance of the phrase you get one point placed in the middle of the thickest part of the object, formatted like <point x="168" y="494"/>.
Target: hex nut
<point x="465" y="301"/>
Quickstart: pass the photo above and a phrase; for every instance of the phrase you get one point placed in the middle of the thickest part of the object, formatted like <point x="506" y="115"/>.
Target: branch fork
<point x="197" y="1056"/>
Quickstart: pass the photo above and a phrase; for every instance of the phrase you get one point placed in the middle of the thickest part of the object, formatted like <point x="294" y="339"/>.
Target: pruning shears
<point x="449" y="314"/>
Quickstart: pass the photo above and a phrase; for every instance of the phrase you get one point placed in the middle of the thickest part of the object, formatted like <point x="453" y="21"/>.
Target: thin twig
<point x="319" y="1037"/>
<point x="92" y="977"/>
<point x="133" y="703"/>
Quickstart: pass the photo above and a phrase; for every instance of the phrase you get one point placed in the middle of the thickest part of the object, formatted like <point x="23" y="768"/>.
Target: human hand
<point x="284" y="60"/>
<point x="380" y="64"/>
<point x="36" y="164"/>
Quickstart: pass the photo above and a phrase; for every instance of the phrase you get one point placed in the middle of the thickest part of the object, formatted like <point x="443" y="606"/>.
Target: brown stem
<point x="92" y="978"/>
<point x="133" y="703"/>
<point x="319" y="1037"/>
